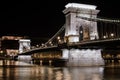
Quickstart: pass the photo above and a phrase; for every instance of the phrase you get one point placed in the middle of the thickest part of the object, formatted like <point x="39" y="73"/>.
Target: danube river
<point x="14" y="70"/>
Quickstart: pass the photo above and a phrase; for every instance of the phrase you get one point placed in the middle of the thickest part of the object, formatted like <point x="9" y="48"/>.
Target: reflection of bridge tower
<point x="24" y="45"/>
<point x="78" y="29"/>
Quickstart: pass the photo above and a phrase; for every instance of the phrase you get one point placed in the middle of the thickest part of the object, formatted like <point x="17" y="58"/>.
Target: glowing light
<point x="50" y="42"/>
<point x="104" y="37"/>
<point x="11" y="38"/>
<point x="65" y="53"/>
<point x="76" y="5"/>
<point x="58" y="37"/>
<point x="73" y="38"/>
<point x="81" y="32"/>
<point x="112" y="34"/>
<point x="37" y="45"/>
<point x="24" y="40"/>
<point x="1" y="51"/>
<point x="42" y="44"/>
<point x="59" y="40"/>
<point x="25" y="58"/>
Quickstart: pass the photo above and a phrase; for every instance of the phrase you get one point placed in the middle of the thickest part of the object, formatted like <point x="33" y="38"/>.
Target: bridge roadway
<point x="92" y="44"/>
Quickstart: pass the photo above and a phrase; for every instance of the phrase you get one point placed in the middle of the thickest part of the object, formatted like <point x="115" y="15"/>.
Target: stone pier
<point x="83" y="57"/>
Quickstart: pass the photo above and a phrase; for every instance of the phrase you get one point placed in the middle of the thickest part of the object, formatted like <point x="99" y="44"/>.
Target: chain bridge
<point x="83" y="40"/>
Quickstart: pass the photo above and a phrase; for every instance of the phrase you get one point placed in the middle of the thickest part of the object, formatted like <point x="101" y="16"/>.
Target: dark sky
<point x="43" y="18"/>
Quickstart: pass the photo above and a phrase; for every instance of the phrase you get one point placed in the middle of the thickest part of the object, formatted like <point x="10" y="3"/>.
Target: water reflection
<point x="86" y="73"/>
<point x="59" y="73"/>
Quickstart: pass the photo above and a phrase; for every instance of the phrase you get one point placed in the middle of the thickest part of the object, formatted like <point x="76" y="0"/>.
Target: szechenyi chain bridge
<point x="84" y="40"/>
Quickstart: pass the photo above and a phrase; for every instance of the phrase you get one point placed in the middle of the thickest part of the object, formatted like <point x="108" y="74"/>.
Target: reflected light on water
<point x="86" y="73"/>
<point x="96" y="77"/>
<point x="58" y="73"/>
<point x="50" y="73"/>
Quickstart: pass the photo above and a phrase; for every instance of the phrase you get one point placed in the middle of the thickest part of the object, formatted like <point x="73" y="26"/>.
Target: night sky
<point x="42" y="19"/>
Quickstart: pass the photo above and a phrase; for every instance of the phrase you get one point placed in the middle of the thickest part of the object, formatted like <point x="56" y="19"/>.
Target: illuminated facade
<point x="51" y="57"/>
<point x="11" y="37"/>
<point x="111" y="57"/>
<point x="78" y="29"/>
<point x="10" y="45"/>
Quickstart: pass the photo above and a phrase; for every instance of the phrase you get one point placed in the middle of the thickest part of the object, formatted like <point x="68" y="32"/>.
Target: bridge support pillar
<point x="25" y="58"/>
<point x="83" y="57"/>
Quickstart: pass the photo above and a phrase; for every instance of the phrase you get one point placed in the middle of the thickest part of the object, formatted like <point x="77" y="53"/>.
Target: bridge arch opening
<point x="81" y="33"/>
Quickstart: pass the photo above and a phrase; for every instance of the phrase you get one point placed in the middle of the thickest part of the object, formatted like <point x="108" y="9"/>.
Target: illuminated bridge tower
<point x="77" y="28"/>
<point x="24" y="45"/>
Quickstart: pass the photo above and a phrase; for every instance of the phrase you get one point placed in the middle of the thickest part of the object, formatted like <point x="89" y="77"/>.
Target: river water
<point x="17" y="71"/>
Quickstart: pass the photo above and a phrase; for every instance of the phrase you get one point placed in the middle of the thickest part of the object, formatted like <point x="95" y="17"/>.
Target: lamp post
<point x="112" y="35"/>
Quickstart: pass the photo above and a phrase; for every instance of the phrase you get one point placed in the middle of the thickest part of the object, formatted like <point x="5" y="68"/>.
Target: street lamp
<point x="58" y="37"/>
<point x="104" y="37"/>
<point x="111" y="34"/>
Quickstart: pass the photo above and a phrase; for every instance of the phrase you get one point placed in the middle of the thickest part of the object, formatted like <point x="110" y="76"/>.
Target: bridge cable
<point x="99" y="19"/>
<point x="60" y="30"/>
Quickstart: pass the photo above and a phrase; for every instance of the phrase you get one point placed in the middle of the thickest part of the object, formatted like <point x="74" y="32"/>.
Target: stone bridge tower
<point x="77" y="28"/>
<point x="24" y="45"/>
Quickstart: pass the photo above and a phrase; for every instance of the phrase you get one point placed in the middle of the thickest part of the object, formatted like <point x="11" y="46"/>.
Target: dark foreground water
<point x="58" y="73"/>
